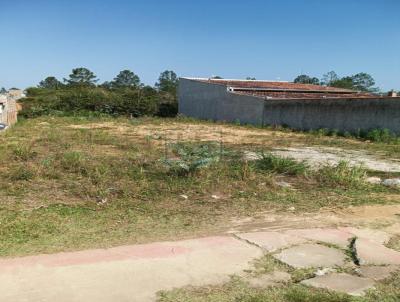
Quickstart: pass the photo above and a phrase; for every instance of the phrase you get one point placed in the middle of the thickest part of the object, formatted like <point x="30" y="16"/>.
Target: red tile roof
<point x="285" y="90"/>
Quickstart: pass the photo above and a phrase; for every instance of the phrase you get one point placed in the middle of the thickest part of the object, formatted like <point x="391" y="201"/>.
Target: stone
<point x="271" y="241"/>
<point x="376" y="236"/>
<point x="269" y="279"/>
<point x="311" y="255"/>
<point x="373" y="180"/>
<point x="372" y="253"/>
<point x="395" y="182"/>
<point x="377" y="273"/>
<point x="332" y="236"/>
<point x="345" y="283"/>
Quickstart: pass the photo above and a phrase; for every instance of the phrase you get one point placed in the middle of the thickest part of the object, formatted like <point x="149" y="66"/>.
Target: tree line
<point x="124" y="95"/>
<point x="359" y="82"/>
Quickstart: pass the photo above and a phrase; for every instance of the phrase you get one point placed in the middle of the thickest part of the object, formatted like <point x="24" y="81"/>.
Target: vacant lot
<point x="70" y="183"/>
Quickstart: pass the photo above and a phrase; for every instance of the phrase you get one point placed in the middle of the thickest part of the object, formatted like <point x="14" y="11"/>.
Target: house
<point x="8" y="108"/>
<point x="299" y="106"/>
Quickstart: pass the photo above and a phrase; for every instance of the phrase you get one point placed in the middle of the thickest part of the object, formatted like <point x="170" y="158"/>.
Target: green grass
<point x="271" y="163"/>
<point x="70" y="183"/>
<point x="342" y="174"/>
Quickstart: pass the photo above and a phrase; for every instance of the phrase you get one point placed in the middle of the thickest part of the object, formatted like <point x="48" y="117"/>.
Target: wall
<point x="213" y="102"/>
<point x="341" y="114"/>
<point x="8" y="114"/>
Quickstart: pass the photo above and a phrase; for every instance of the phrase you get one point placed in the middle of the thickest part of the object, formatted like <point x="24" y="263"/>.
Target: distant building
<point x="299" y="106"/>
<point x="8" y="106"/>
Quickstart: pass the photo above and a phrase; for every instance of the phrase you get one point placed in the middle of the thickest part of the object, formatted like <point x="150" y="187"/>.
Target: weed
<point x="191" y="158"/>
<point x="23" y="152"/>
<point x="342" y="174"/>
<point x="21" y="173"/>
<point x="271" y="163"/>
<point x="74" y="161"/>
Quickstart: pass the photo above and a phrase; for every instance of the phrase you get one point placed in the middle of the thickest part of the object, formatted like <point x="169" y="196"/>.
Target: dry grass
<point x="75" y="183"/>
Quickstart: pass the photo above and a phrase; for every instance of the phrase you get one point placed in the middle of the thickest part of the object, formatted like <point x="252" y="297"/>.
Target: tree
<point x="251" y="79"/>
<point x="168" y="82"/>
<point x="329" y="78"/>
<point x="363" y="82"/>
<point x="50" y="83"/>
<point x="216" y="78"/>
<point x="3" y="90"/>
<point x="305" y="79"/>
<point x="126" y="78"/>
<point x="360" y="82"/>
<point x="81" y="77"/>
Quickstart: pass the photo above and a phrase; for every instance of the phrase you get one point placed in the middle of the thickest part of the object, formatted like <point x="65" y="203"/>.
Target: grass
<point x="271" y="163"/>
<point x="70" y="183"/>
<point x="342" y="174"/>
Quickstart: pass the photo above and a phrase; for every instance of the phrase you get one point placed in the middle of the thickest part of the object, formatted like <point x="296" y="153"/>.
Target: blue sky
<point x="234" y="39"/>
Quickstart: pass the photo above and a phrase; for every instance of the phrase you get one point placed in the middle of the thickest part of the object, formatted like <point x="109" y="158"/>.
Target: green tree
<point x="363" y="82"/>
<point x="216" y="78"/>
<point x="126" y="78"/>
<point x="3" y="90"/>
<point x="168" y="82"/>
<point x="305" y="79"/>
<point x="251" y="79"/>
<point x="329" y="78"/>
<point x="81" y="77"/>
<point x="50" y="83"/>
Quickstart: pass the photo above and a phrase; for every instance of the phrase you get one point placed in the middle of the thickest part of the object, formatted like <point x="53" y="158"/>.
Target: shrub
<point x="380" y="135"/>
<point x="342" y="174"/>
<point x="191" y="158"/>
<point x="281" y="165"/>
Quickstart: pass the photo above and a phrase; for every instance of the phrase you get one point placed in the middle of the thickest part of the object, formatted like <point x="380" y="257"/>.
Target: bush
<point x="281" y="165"/>
<point x="191" y="158"/>
<point x="342" y="174"/>
<point x="122" y="101"/>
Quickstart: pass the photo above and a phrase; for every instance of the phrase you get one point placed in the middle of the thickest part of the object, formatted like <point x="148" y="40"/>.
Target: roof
<point x="283" y="90"/>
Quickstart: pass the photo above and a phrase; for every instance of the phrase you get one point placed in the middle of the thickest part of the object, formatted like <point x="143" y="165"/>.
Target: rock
<point x="271" y="241"/>
<point x="311" y="255"/>
<point x="184" y="196"/>
<point x="372" y="253"/>
<point x="377" y="273"/>
<point x="373" y="180"/>
<point x="332" y="236"/>
<point x="395" y="182"/>
<point x="269" y="279"/>
<point x="352" y="285"/>
<point x="216" y="197"/>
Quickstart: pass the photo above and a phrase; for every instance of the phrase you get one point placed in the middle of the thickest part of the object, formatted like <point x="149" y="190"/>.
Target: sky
<point x="265" y="39"/>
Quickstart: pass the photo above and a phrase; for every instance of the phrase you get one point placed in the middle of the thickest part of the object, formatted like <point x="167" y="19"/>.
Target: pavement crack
<point x="248" y="242"/>
<point x="353" y="251"/>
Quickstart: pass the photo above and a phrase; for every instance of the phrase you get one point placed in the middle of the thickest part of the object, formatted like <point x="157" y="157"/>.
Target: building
<point x="8" y="106"/>
<point x="300" y="106"/>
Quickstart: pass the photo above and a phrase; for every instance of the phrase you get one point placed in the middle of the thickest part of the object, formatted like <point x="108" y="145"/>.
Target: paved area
<point x="132" y="273"/>
<point x="349" y="284"/>
<point x="137" y="273"/>
<point x="312" y="255"/>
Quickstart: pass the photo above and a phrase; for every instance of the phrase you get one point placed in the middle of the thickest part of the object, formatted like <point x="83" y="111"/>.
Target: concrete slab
<point x="311" y="255"/>
<point x="352" y="285"/>
<point x="271" y="241"/>
<point x="271" y="279"/>
<point x="332" y="236"/>
<point x="371" y="253"/>
<point x="131" y="273"/>
<point x="376" y="236"/>
<point x="378" y="273"/>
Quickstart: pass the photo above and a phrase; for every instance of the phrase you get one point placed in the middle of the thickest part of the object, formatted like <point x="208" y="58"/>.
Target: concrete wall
<point x="8" y="111"/>
<point x="341" y="114"/>
<point x="213" y="102"/>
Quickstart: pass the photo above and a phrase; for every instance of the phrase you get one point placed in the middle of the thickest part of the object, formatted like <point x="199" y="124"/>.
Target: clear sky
<point x="234" y="39"/>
